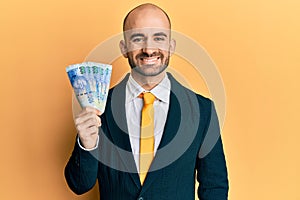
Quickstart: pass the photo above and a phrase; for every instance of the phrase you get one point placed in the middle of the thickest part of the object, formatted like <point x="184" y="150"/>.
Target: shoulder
<point x="178" y="88"/>
<point x="119" y="89"/>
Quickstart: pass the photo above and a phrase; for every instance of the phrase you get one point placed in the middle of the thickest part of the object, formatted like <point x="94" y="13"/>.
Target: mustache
<point x="146" y="55"/>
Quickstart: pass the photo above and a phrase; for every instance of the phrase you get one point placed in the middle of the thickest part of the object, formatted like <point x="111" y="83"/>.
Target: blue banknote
<point x="90" y="82"/>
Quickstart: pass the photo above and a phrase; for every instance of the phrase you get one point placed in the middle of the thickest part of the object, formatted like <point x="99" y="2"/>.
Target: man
<point x="111" y="148"/>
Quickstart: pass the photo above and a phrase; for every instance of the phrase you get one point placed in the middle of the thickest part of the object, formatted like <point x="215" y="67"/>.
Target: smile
<point x="149" y="60"/>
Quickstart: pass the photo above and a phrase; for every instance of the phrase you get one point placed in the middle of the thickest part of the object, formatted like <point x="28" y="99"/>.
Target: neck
<point x="148" y="82"/>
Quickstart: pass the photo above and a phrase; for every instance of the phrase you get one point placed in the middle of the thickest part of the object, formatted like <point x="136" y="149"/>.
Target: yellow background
<point x="255" y="45"/>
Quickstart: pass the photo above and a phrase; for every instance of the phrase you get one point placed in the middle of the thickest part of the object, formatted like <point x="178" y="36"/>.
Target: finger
<point x="88" y="109"/>
<point x="92" y="109"/>
<point x="85" y="117"/>
<point x="88" y="123"/>
<point x="99" y="121"/>
<point x="91" y="131"/>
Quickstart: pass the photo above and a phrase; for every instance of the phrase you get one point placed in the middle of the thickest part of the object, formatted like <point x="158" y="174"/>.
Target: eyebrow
<point x="160" y="34"/>
<point x="142" y="35"/>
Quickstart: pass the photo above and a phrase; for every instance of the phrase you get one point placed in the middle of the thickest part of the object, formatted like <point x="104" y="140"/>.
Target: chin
<point x="150" y="71"/>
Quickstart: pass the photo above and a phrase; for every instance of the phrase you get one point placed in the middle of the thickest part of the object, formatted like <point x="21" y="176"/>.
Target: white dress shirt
<point x="133" y="108"/>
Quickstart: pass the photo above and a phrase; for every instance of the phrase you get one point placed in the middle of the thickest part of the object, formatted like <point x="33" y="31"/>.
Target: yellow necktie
<point x="147" y="135"/>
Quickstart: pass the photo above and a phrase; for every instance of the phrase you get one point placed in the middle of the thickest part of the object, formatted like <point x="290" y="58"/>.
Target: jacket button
<point x="141" y="198"/>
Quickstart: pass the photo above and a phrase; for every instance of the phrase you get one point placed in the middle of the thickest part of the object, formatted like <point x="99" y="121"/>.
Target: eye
<point x="159" y="39"/>
<point x="137" y="39"/>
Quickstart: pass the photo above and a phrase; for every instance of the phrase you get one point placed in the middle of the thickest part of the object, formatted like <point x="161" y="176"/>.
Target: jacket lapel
<point x="117" y="125"/>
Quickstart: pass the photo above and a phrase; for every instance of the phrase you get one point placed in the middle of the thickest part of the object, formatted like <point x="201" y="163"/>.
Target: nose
<point x="148" y="51"/>
<point x="149" y="47"/>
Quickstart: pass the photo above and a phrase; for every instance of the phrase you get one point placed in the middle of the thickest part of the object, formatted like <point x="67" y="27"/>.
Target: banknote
<point x="90" y="82"/>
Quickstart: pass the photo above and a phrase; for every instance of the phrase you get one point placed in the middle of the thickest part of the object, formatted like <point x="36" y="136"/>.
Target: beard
<point x="141" y="69"/>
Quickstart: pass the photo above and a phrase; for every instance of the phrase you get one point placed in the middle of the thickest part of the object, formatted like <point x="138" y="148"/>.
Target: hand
<point x="87" y="123"/>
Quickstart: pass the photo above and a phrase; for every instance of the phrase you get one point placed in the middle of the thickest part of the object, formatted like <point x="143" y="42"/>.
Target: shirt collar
<point x="161" y="91"/>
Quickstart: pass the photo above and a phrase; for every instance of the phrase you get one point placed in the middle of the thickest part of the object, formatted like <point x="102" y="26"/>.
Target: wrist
<point x="88" y="145"/>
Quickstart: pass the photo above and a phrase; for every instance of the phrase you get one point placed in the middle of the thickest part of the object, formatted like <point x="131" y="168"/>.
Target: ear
<point x="172" y="46"/>
<point x="123" y="48"/>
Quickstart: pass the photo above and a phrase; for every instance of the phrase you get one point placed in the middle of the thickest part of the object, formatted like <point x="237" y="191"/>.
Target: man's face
<point x="148" y="50"/>
<point x="147" y="43"/>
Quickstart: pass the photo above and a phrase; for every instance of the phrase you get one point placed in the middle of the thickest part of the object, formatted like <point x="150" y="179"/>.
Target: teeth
<point x="149" y="61"/>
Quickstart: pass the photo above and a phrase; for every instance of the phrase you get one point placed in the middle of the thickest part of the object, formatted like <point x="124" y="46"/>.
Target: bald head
<point x="142" y="11"/>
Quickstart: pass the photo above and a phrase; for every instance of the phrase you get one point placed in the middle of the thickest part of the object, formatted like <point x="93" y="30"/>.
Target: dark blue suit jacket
<point x="191" y="143"/>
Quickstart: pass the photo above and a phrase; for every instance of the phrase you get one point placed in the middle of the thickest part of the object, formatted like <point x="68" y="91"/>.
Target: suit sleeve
<point x="211" y="165"/>
<point x="81" y="170"/>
